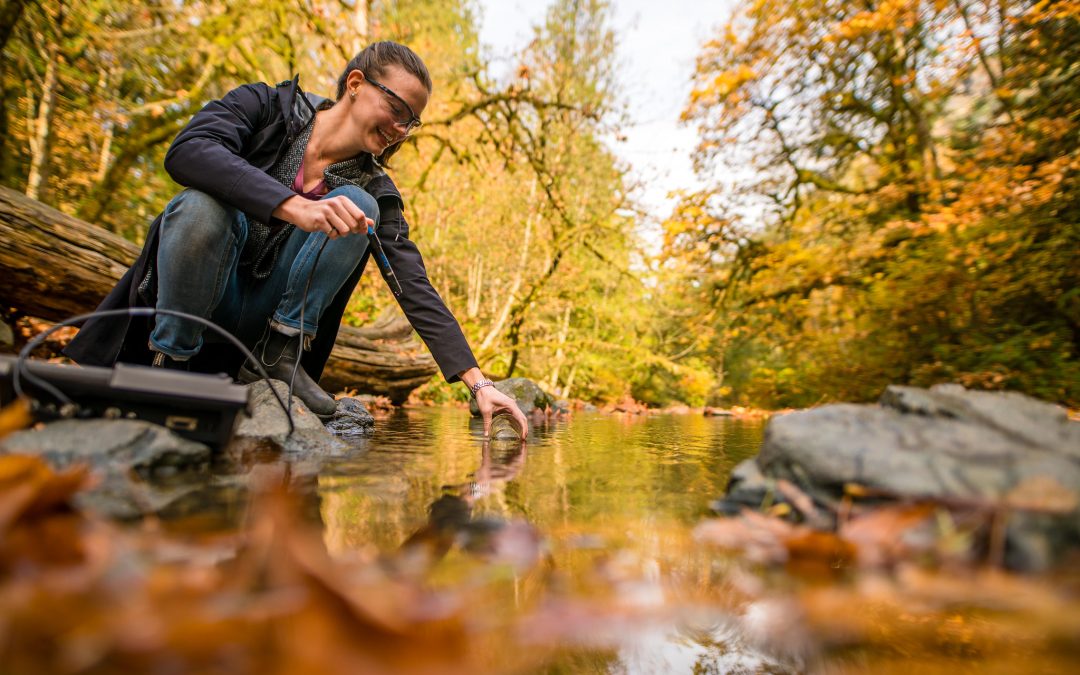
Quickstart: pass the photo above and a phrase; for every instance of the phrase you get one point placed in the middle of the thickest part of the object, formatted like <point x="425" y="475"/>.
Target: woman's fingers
<point x="349" y="213"/>
<point x="336" y="217"/>
<point x="339" y="223"/>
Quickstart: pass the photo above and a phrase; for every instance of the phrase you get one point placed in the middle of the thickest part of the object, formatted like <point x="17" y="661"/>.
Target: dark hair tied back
<point x="373" y="62"/>
<point x="375" y="58"/>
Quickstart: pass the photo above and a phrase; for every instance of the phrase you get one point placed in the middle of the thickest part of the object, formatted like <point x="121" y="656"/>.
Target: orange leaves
<point x="878" y="538"/>
<point x="37" y="526"/>
<point x="1042" y="494"/>
<point x="890" y="15"/>
<point x="773" y="541"/>
<point x="78" y="595"/>
<point x="30" y="489"/>
<point x="725" y="83"/>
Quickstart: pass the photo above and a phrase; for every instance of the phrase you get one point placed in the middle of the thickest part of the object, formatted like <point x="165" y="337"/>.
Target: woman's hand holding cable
<point x="336" y="216"/>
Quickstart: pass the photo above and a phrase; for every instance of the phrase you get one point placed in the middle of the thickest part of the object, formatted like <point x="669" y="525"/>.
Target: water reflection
<point x="452" y="521"/>
<point x="590" y="473"/>
<point x="599" y="507"/>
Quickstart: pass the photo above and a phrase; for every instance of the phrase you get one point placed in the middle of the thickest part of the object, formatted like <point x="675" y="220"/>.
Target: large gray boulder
<point x="528" y="394"/>
<point x="116" y="445"/>
<point x="990" y="450"/>
<point x="946" y="442"/>
<point x="140" y="467"/>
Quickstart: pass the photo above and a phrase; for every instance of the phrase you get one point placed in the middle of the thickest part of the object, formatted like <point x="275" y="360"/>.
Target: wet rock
<point x="717" y="412"/>
<point x="945" y="442"/>
<point x="114" y="445"/>
<point x="142" y="468"/>
<point x="351" y="419"/>
<point x="268" y="423"/>
<point x="505" y="428"/>
<point x="747" y="487"/>
<point x="984" y="449"/>
<point x="528" y="394"/>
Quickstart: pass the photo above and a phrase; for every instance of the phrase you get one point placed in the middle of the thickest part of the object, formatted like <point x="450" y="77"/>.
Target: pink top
<point x="314" y="194"/>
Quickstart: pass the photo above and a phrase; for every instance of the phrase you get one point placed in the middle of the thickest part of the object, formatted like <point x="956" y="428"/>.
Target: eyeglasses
<point x="406" y="119"/>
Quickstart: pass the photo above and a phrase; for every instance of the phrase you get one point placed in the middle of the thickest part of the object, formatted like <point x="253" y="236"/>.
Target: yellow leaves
<point x="1048" y="10"/>
<point x="730" y="80"/>
<point x="889" y="16"/>
<point x="723" y="88"/>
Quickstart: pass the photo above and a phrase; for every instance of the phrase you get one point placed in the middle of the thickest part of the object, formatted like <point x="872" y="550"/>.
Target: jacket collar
<point x="297" y="106"/>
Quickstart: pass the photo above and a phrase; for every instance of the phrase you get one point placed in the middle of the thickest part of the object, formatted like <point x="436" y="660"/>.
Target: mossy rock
<point x="528" y="394"/>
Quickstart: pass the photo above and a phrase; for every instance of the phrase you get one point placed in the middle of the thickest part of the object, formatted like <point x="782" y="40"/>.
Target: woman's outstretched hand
<point x="336" y="216"/>
<point x="491" y="401"/>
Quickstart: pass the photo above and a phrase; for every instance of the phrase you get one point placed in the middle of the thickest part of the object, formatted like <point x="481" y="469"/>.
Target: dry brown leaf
<point x="759" y="544"/>
<point x="878" y="535"/>
<point x="29" y="488"/>
<point x="1044" y="494"/>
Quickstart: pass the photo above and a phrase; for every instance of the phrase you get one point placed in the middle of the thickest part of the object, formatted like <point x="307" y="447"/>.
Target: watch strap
<point x="477" y="386"/>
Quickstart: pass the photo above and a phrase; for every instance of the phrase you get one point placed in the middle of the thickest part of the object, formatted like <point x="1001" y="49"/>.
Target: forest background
<point x="888" y="191"/>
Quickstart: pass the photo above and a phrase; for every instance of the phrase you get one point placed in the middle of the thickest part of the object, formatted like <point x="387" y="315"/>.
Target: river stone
<point x="930" y="453"/>
<point x="141" y="468"/>
<point x="114" y="445"/>
<point x="528" y="394"/>
<point x="1021" y="418"/>
<point x="351" y="419"/>
<point x="942" y="443"/>
<point x="267" y="423"/>
<point x="747" y="487"/>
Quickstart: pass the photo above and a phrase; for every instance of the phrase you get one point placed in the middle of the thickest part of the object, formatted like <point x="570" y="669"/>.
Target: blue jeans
<point x="198" y="250"/>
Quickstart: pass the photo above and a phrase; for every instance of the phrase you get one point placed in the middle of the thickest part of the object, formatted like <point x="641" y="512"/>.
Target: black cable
<point x="22" y="370"/>
<point x="303" y="304"/>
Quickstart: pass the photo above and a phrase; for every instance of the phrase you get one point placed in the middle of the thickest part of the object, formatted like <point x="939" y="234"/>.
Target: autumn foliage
<point x="892" y="197"/>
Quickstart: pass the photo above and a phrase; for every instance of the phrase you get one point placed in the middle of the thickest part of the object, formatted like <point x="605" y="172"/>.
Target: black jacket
<point x="226" y="151"/>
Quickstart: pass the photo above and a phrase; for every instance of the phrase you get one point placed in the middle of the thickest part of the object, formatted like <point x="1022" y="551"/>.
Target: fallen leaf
<point x="1044" y="494"/>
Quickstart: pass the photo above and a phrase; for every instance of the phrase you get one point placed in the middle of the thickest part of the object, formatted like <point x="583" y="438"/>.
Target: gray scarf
<point x="265" y="240"/>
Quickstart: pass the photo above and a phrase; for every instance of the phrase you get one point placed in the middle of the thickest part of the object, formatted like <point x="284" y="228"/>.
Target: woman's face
<point x="384" y="114"/>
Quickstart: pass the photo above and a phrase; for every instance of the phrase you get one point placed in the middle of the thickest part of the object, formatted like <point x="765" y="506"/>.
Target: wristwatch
<point x="477" y="386"/>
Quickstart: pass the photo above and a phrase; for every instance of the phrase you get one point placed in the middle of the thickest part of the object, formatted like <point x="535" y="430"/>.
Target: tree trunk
<point x="560" y="352"/>
<point x="53" y="266"/>
<point x="40" y="139"/>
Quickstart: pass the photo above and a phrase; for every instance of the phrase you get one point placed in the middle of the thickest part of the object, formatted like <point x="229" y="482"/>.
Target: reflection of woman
<point x="273" y="174"/>
<point x="450" y="517"/>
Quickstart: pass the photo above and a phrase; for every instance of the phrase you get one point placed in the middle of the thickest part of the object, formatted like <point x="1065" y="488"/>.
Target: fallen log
<point x="53" y="266"/>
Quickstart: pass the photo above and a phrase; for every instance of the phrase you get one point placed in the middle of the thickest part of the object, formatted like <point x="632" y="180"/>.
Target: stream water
<point x="611" y="500"/>
<point x="583" y="540"/>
